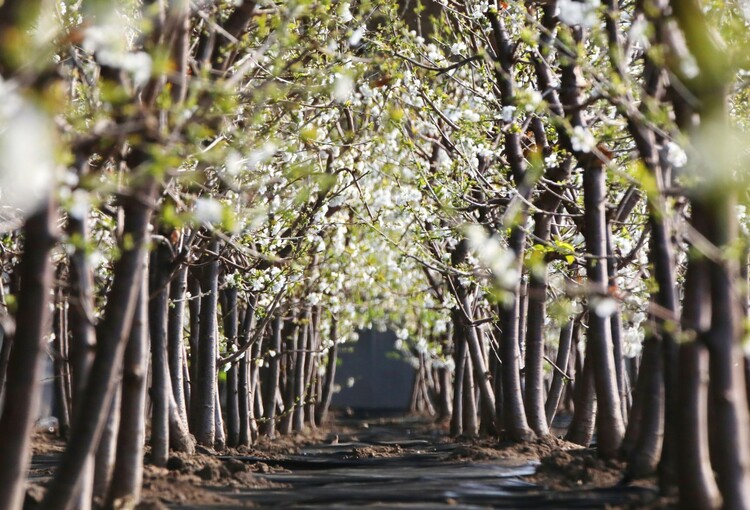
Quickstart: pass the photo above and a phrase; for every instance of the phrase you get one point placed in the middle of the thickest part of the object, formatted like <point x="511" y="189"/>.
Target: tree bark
<point x="514" y="414"/>
<point x="695" y="478"/>
<point x="321" y="411"/>
<point x="128" y="471"/>
<point x="194" y="308"/>
<point x="112" y="333"/>
<point x="231" y="328"/>
<point x="610" y="427"/>
<point x="568" y="332"/>
<point x="644" y="458"/>
<point x="175" y="341"/>
<point x="298" y="403"/>
<point x="23" y="391"/>
<point x="205" y="380"/>
<point x="470" y="424"/>
<point x="457" y="419"/>
<point x="244" y="381"/>
<point x="104" y="460"/>
<point x="269" y="398"/>
<point x="81" y="332"/>
<point x="158" y="303"/>
<point x="581" y="429"/>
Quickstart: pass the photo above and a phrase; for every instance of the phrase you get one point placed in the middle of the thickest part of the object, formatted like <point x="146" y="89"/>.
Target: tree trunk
<point x="481" y="376"/>
<point x="175" y="342"/>
<point x="298" y="403"/>
<point x="244" y="381"/>
<point x="470" y="425"/>
<point x="158" y="303"/>
<point x="288" y="373"/>
<point x="615" y="324"/>
<point x="180" y="439"/>
<point x="269" y="400"/>
<point x="128" y="471"/>
<point x="255" y="397"/>
<point x="534" y="390"/>
<point x="321" y="411"/>
<point x="23" y="390"/>
<point x="646" y="452"/>
<point x="82" y="335"/>
<point x="568" y="332"/>
<point x="695" y="478"/>
<point x="584" y="414"/>
<point x="457" y="419"/>
<point x="205" y="381"/>
<point x="60" y="355"/>
<point x="726" y="363"/>
<point x="610" y="427"/>
<point x="220" y="439"/>
<point x="112" y="333"/>
<point x="104" y="461"/>
<point x="194" y="308"/>
<point x="231" y="328"/>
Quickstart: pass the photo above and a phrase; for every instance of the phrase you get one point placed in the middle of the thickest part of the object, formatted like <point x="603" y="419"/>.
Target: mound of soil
<point x="577" y="468"/>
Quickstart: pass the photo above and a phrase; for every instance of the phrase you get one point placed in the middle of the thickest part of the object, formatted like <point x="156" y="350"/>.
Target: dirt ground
<point x="208" y="479"/>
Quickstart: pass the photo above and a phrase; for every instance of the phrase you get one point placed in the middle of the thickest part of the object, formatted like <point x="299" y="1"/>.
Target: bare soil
<point x="210" y="480"/>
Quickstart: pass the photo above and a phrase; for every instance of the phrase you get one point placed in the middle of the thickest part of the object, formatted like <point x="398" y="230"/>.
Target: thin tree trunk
<point x="23" y="390"/>
<point x="82" y="334"/>
<point x="128" y="471"/>
<point x="470" y="425"/>
<point x="457" y="419"/>
<point x="289" y="387"/>
<point x="180" y="438"/>
<point x="534" y="390"/>
<point x="311" y="368"/>
<point x="446" y="409"/>
<point x="7" y="339"/>
<point x="231" y="328"/>
<point x="696" y="481"/>
<point x="104" y="460"/>
<point x="644" y="458"/>
<point x="160" y="378"/>
<point x="331" y="360"/>
<point x="60" y="367"/>
<point x="581" y="429"/>
<point x="269" y="401"/>
<point x="298" y="403"/>
<point x="481" y="376"/>
<point x="726" y="364"/>
<point x="244" y="381"/>
<point x="175" y="342"/>
<point x="220" y="439"/>
<point x="205" y="380"/>
<point x="255" y="404"/>
<point x="568" y="332"/>
<point x="112" y="334"/>
<point x="615" y="324"/>
<point x="610" y="427"/>
<point x="194" y="308"/>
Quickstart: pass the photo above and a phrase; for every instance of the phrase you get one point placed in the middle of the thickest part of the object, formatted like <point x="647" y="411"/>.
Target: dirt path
<point x="390" y="463"/>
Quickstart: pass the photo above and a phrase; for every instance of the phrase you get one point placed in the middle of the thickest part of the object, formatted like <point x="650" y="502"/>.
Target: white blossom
<point x="208" y="211"/>
<point x="603" y="306"/>
<point x="574" y="13"/>
<point x="80" y="205"/>
<point x="345" y="12"/>
<point x="582" y="140"/>
<point x="676" y="155"/>
<point x="343" y="86"/>
<point x="27" y="153"/>
<point x="356" y="36"/>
